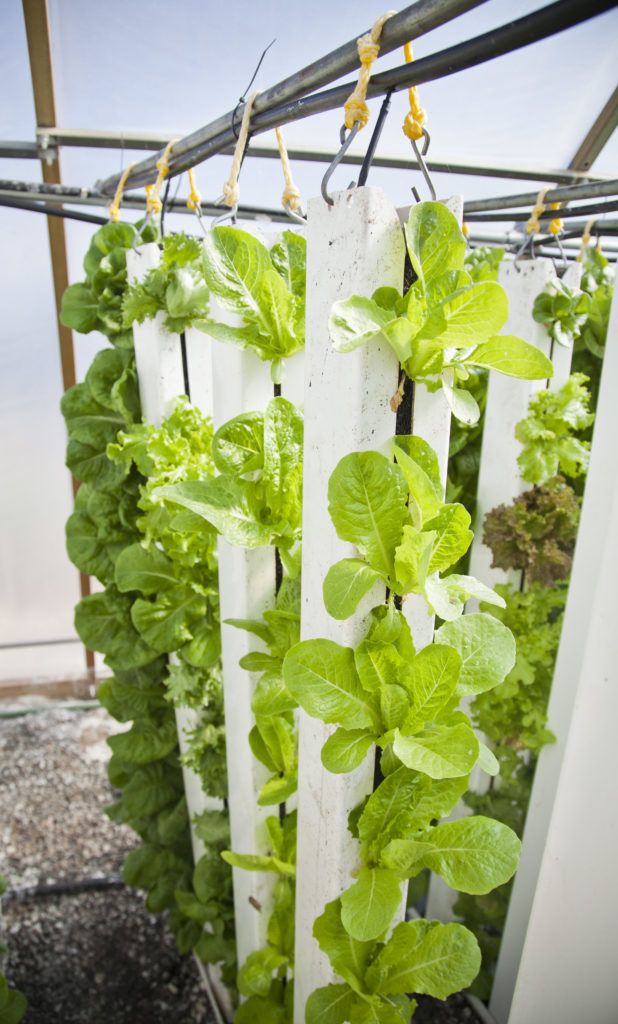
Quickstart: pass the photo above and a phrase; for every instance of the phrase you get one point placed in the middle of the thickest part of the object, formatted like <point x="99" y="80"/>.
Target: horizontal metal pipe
<point x="93" y="139"/>
<point x="580" y="211"/>
<point x="529" y="29"/>
<point x="47" y="204"/>
<point x="410" y="23"/>
<point x="589" y="190"/>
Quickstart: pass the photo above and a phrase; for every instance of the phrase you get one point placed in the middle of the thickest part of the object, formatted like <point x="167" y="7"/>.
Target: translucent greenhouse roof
<point x="150" y="67"/>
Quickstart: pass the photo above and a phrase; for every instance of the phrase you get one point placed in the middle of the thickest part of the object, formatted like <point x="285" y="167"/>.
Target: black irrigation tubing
<point x="409" y="23"/>
<point x="530" y="29"/>
<point x="69" y="887"/>
<point x="52" y="211"/>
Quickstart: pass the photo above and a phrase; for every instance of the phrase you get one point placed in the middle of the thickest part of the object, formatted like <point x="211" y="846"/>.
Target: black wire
<point x="253" y="77"/>
<point x="164" y="206"/>
<point x="375" y="138"/>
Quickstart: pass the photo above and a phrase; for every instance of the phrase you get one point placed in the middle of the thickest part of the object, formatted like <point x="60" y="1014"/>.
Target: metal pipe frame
<point x="580" y="211"/>
<point x="588" y="190"/>
<point x="91" y="139"/>
<point x="215" y="137"/>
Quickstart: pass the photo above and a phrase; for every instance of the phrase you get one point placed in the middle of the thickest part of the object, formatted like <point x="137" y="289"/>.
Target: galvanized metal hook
<point x="294" y="215"/>
<point x="345" y="143"/>
<point x="421" y="163"/>
<point x="143" y="227"/>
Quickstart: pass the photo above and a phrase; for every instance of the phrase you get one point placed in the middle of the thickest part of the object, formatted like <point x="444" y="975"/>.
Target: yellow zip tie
<point x="537" y="211"/>
<point x="194" y="201"/>
<point x="231" y="189"/>
<point x="586" y="238"/>
<point x="417" y="116"/>
<point x="114" y="210"/>
<point x="368" y="45"/>
<point x="291" y="194"/>
<point x="153" y="203"/>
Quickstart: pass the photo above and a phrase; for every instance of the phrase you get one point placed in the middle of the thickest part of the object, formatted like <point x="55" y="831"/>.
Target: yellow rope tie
<point x="465" y="230"/>
<point x="114" y="210"/>
<point x="231" y="189"/>
<point x="194" y="201"/>
<point x="537" y="211"/>
<point x="555" y="225"/>
<point x="368" y="45"/>
<point x="586" y="238"/>
<point x="291" y="194"/>
<point x="417" y="116"/>
<point x="153" y="203"/>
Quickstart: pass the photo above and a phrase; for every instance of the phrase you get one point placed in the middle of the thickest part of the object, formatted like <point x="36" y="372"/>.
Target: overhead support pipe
<point x="215" y="137"/>
<point x="589" y="190"/>
<point x="410" y="23"/>
<point x="595" y="209"/>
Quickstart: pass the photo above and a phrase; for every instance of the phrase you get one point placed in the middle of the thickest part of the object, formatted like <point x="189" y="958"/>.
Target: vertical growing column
<point x="354" y="246"/>
<point x="241" y="383"/>
<point x="562" y="925"/>
<point x="507" y="403"/>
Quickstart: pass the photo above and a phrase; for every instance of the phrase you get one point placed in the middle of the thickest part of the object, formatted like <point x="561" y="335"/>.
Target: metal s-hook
<point x="296" y="216"/>
<point x="143" y="226"/>
<point x="422" y="165"/>
<point x="345" y="144"/>
<point x="229" y="214"/>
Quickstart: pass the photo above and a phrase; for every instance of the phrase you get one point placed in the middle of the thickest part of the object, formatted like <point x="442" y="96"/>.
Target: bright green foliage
<point x="548" y="434"/>
<point x="265" y="289"/>
<point x="273" y="737"/>
<point x="385" y="693"/>
<point x="257" y="497"/>
<point x="562" y="310"/>
<point x="176" y="287"/>
<point x="536" y="532"/>
<point x="155" y="599"/>
<point x="446" y="323"/>
<point x="96" y="304"/>
<point x="405" y="532"/>
<point x="589" y="347"/>
<point x="482" y="263"/>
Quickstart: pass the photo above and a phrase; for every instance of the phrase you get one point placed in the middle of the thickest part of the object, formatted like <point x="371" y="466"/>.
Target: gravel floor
<point x="93" y="957"/>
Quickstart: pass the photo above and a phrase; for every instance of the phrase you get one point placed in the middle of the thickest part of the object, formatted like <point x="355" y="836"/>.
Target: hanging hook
<point x="295" y="215"/>
<point x="140" y="232"/>
<point x="528" y="241"/>
<point x="345" y="143"/>
<point x="422" y="165"/>
<point x="229" y="214"/>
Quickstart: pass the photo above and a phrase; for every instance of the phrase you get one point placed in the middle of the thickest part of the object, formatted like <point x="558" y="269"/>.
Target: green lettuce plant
<point x="386" y="693"/>
<point x="256" y="499"/>
<point x="446" y="323"/>
<point x="176" y="287"/>
<point x="562" y="310"/>
<point x="265" y="290"/>
<point x="548" y="434"/>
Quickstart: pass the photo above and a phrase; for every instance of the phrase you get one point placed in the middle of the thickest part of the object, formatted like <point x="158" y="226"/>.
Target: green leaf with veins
<point x="473" y="854"/>
<point x="512" y="356"/>
<point x="443" y="752"/>
<point x="426" y="957"/>
<point x="238" y="446"/>
<point x="367" y="496"/>
<point x="486" y="647"/>
<point x="321" y="676"/>
<point x="346" y="749"/>
<point x="345" y="584"/>
<point x="367" y="908"/>
<point x="435" y="242"/>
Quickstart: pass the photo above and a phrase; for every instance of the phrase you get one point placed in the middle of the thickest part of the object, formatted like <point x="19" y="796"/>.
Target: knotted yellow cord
<point x="114" y="210"/>
<point x="585" y="238"/>
<point x="291" y="194"/>
<point x="195" y="199"/>
<point x="368" y="45"/>
<point x="153" y="203"/>
<point x="555" y="225"/>
<point x="465" y="230"/>
<point x="537" y="211"/>
<point x="231" y="189"/>
<point x="416" y="117"/>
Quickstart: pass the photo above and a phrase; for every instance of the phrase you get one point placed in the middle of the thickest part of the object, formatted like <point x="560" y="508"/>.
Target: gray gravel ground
<point x="94" y="957"/>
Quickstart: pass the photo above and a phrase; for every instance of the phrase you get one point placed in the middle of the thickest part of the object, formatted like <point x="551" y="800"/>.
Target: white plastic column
<point x="354" y="246"/>
<point x="565" y="894"/>
<point x="158" y="355"/>
<point x="507" y="404"/>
